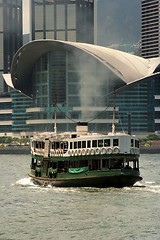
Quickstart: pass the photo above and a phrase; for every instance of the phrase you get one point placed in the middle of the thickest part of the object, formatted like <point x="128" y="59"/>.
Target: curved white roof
<point x="129" y="68"/>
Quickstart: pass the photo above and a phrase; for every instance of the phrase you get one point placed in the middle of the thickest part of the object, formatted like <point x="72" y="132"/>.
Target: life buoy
<point x="57" y="152"/>
<point x="87" y="151"/>
<point x="103" y="151"/>
<point x="97" y="151"/>
<point x="76" y="152"/>
<point x="116" y="150"/>
<point x="69" y="153"/>
<point x="83" y="152"/>
<point x="92" y="151"/>
<point x="60" y="151"/>
<point x="109" y="150"/>
<point x="79" y="152"/>
<point x="53" y="152"/>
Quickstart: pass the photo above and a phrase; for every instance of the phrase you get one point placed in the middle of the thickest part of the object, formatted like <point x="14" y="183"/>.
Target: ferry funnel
<point x="82" y="127"/>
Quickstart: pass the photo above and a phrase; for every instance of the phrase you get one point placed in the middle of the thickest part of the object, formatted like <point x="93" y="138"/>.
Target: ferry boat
<point x="83" y="159"/>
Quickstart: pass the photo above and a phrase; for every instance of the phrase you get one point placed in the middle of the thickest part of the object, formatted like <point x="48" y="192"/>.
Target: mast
<point x="55" y="115"/>
<point x="55" y="121"/>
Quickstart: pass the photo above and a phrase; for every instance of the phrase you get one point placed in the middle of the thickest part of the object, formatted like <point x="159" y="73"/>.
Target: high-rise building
<point x="150" y="28"/>
<point x="70" y="20"/>
<point x="10" y="35"/>
<point x="150" y="48"/>
<point x="89" y="21"/>
<point x="10" y="41"/>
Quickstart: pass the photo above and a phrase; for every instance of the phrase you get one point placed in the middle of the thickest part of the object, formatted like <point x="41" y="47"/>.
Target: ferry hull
<point x="118" y="181"/>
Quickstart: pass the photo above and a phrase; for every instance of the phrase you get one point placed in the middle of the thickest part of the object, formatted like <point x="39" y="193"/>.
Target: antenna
<point x="113" y="119"/>
<point x="55" y="122"/>
<point x="55" y="116"/>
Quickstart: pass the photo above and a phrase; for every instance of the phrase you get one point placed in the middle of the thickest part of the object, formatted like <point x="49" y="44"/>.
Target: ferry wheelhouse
<point x="83" y="159"/>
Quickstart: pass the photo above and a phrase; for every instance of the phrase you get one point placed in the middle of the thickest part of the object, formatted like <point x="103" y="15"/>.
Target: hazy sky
<point x="26" y="16"/>
<point x="121" y="26"/>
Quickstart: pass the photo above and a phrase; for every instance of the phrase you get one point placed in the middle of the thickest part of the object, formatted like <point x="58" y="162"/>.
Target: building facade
<point x="87" y="21"/>
<point x="10" y="41"/>
<point x="150" y="28"/>
<point x="150" y="48"/>
<point x="69" y="20"/>
<point x="74" y="81"/>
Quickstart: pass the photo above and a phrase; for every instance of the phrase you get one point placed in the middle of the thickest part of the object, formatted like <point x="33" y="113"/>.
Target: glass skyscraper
<point x="10" y="41"/>
<point x="150" y="28"/>
<point x="84" y="21"/>
<point x="89" y="21"/>
<point x="150" y="47"/>
<point x="69" y="20"/>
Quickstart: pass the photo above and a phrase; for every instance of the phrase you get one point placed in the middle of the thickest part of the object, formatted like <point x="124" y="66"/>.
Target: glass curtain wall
<point x="10" y="42"/>
<point x="76" y="86"/>
<point x="12" y="31"/>
<point x="67" y="20"/>
<point x="54" y="20"/>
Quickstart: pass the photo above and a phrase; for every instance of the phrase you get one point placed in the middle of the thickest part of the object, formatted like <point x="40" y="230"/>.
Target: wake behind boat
<point x="83" y="159"/>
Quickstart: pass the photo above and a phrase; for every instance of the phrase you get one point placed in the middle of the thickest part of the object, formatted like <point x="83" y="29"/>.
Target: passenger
<point x="128" y="167"/>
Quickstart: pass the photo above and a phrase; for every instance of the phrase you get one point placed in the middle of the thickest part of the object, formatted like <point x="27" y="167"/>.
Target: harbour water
<point x="31" y="212"/>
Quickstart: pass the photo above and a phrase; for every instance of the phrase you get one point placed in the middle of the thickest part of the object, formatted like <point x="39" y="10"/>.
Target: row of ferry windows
<point x="85" y="144"/>
<point x="93" y="143"/>
<point x="78" y="144"/>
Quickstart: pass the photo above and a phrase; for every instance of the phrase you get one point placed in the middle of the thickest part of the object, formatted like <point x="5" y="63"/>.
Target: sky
<point x="121" y="24"/>
<point x="26" y="25"/>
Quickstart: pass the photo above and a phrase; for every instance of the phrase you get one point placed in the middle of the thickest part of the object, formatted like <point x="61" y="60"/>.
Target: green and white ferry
<point x="83" y="159"/>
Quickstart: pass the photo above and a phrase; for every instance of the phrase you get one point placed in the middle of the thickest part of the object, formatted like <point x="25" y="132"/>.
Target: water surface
<point x="32" y="212"/>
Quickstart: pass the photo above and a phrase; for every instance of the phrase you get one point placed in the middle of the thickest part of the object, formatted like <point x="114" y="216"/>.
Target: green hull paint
<point x="99" y="178"/>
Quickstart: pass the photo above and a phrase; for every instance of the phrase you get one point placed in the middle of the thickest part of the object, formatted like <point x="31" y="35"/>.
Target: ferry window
<point x="57" y="145"/>
<point x="75" y="145"/>
<point x="74" y="135"/>
<point x="88" y="144"/>
<point x="132" y="143"/>
<point x="100" y="143"/>
<point x="94" y="143"/>
<point x="65" y="145"/>
<point x="115" y="142"/>
<point x="52" y="145"/>
<point x="137" y="143"/>
<point x="79" y="144"/>
<point x="106" y="142"/>
<point x="61" y="145"/>
<point x="83" y="144"/>
<point x="42" y="144"/>
<point x="70" y="145"/>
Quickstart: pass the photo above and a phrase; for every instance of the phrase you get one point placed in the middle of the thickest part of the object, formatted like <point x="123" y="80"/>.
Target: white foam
<point x="153" y="188"/>
<point x="149" y="186"/>
<point x="25" y="182"/>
